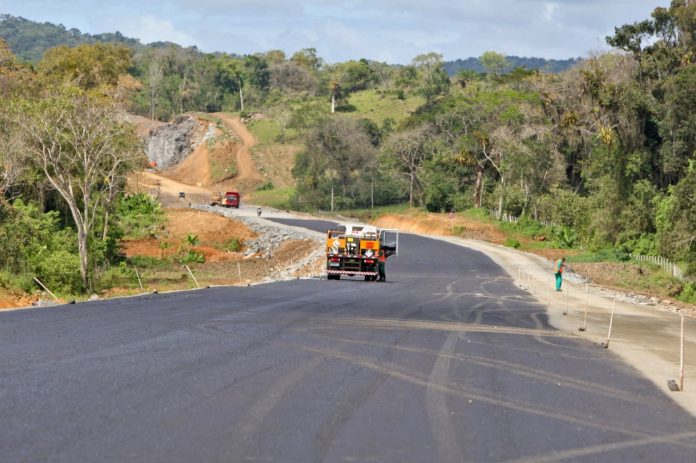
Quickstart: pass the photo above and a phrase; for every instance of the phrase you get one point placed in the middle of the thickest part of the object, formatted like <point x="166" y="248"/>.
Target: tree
<point x="348" y="77"/>
<point x="230" y="76"/>
<point x="155" y="75"/>
<point x="495" y="63"/>
<point x="434" y="80"/>
<point x="83" y="150"/>
<point x="274" y="56"/>
<point x="87" y="66"/>
<point x="290" y="77"/>
<point x="408" y="150"/>
<point x="11" y="163"/>
<point x="308" y="58"/>
<point x="334" y="162"/>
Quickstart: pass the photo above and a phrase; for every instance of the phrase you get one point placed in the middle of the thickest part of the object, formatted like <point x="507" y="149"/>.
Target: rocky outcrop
<point x="170" y="144"/>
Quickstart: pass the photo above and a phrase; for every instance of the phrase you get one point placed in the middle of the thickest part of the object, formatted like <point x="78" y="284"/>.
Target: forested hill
<point x="547" y="65"/>
<point x="29" y="40"/>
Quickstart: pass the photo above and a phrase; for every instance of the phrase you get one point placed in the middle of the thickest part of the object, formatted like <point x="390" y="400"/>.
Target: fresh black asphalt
<point x="446" y="362"/>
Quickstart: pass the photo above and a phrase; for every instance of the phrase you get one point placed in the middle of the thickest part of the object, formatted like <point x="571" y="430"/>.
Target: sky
<point x="384" y="30"/>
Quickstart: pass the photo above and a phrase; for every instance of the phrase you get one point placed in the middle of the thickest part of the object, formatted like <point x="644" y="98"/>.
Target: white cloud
<point x="389" y="30"/>
<point x="152" y="29"/>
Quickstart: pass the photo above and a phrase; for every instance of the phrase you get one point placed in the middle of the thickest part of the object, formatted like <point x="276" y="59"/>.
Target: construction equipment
<point x="216" y="198"/>
<point x="231" y="199"/>
<point x="354" y="250"/>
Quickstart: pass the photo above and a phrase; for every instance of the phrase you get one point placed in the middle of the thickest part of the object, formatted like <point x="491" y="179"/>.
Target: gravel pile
<point x="270" y="235"/>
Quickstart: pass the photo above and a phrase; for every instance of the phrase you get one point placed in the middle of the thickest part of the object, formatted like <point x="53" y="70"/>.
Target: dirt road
<point x="247" y="176"/>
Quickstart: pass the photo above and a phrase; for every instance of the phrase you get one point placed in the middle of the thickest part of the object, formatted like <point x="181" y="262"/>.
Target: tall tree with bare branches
<point x="83" y="150"/>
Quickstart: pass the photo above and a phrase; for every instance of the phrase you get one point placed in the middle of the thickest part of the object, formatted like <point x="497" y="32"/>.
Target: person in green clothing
<point x="381" y="264"/>
<point x="558" y="269"/>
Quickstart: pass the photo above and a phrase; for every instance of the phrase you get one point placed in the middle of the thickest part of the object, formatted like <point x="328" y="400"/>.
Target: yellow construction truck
<point x="355" y="250"/>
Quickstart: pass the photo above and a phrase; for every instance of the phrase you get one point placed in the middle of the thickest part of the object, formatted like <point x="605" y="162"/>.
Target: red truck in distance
<point x="230" y="199"/>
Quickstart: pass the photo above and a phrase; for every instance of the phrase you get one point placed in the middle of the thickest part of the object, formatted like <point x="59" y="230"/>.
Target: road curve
<point x="448" y="361"/>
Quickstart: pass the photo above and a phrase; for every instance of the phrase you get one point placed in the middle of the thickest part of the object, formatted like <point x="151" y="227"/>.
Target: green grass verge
<point x="279" y="198"/>
<point x="380" y="106"/>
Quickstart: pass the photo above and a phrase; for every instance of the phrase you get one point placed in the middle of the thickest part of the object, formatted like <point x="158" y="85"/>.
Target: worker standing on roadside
<point x="558" y="270"/>
<point x="381" y="265"/>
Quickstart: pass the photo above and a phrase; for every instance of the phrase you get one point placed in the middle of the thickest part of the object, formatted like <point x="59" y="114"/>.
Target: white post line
<point x="239" y="270"/>
<point x="529" y="287"/>
<point x="567" y="291"/>
<point x="519" y="274"/>
<point x="681" y="356"/>
<point x="194" y="278"/>
<point x="140" y="282"/>
<point x="45" y="288"/>
<point x="611" y="322"/>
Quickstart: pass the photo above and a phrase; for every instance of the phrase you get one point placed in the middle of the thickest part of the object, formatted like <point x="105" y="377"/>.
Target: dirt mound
<point x="193" y="170"/>
<point x="10" y="300"/>
<point x="215" y="233"/>
<point x="438" y="224"/>
<point x="277" y="162"/>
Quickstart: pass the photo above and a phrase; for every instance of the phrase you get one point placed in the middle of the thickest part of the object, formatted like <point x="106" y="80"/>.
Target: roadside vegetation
<point x="598" y="161"/>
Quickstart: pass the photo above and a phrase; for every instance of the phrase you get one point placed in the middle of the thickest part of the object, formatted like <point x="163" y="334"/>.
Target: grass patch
<point x="366" y="214"/>
<point x="380" y="106"/>
<point x="267" y="132"/>
<point x="279" y="198"/>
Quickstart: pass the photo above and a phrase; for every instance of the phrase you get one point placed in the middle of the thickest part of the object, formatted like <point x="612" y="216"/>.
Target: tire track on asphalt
<point x="436" y="403"/>
<point x="477" y="395"/>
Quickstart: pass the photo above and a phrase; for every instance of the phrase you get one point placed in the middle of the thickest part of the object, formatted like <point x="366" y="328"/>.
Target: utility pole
<point x="372" y="198"/>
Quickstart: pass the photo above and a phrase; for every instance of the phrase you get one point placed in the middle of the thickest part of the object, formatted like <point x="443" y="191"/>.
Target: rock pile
<point x="270" y="235"/>
<point x="170" y="144"/>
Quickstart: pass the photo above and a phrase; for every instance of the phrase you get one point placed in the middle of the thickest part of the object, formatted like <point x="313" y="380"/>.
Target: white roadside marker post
<point x="239" y="270"/>
<point x="611" y="322"/>
<point x="193" y="277"/>
<point x="584" y="322"/>
<point x="681" y="356"/>
<point x="567" y="291"/>
<point x="47" y="290"/>
<point x="140" y="282"/>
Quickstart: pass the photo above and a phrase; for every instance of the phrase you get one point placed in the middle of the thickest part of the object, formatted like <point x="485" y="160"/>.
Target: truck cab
<point x="354" y="249"/>
<point x="231" y="199"/>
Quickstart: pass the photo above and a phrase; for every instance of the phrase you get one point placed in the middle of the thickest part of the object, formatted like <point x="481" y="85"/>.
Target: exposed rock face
<point x="171" y="143"/>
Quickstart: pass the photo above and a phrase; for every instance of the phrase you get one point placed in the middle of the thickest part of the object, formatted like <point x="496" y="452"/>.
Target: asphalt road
<point x="448" y="361"/>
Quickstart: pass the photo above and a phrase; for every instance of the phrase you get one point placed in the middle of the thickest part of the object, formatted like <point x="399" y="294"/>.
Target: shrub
<point x="688" y="293"/>
<point x="191" y="257"/>
<point x="234" y="245"/>
<point x="139" y="215"/>
<point x="512" y="243"/>
<point x="60" y="272"/>
<point x="564" y="237"/>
